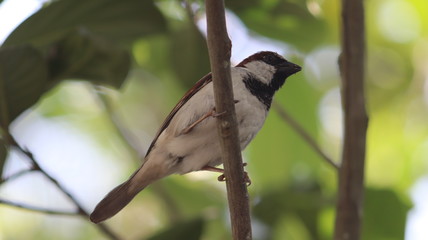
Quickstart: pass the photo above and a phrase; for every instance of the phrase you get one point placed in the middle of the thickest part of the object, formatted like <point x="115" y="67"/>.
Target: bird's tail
<point x="117" y="199"/>
<point x="120" y="196"/>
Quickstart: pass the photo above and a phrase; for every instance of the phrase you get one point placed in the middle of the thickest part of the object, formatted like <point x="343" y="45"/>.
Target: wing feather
<point x="198" y="86"/>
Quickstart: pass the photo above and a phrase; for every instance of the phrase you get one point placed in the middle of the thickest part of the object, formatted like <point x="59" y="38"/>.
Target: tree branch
<point x="349" y="207"/>
<point x="219" y="48"/>
<point x="80" y="211"/>
<point x="36" y="209"/>
<point x="305" y="135"/>
<point x="123" y="132"/>
<point x="16" y="175"/>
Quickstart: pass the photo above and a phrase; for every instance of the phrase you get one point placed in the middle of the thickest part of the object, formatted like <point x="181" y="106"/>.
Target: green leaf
<point x="277" y="146"/>
<point x="384" y="215"/>
<point x="191" y="197"/>
<point x="120" y="21"/>
<point x="26" y="75"/>
<point x="23" y="79"/>
<point x="189" y="230"/>
<point x="83" y="55"/>
<point x="287" y="21"/>
<point x="302" y="200"/>
<point x="189" y="54"/>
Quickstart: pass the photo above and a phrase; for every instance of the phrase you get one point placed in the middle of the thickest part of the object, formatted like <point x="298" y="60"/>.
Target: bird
<point x="188" y="141"/>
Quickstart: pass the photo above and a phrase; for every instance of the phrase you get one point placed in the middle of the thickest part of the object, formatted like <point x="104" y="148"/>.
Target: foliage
<point x="77" y="45"/>
<point x="152" y="51"/>
<point x="191" y="230"/>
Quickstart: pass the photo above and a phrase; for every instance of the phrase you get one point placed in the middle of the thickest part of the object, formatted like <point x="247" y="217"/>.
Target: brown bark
<point x="219" y="48"/>
<point x="349" y="207"/>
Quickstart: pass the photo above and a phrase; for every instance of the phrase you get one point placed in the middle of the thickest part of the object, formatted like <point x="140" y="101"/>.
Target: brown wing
<point x="198" y="85"/>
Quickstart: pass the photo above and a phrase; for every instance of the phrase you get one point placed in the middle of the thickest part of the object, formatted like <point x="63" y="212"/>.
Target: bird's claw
<point x="247" y="180"/>
<point x="214" y="114"/>
<point x="221" y="178"/>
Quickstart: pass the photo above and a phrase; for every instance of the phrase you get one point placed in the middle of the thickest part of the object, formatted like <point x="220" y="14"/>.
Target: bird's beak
<point x="289" y="68"/>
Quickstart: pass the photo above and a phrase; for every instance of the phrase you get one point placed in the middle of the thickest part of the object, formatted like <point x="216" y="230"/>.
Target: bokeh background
<point x="91" y="137"/>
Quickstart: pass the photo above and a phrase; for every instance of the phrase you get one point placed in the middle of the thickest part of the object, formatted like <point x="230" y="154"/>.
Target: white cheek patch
<point x="262" y="70"/>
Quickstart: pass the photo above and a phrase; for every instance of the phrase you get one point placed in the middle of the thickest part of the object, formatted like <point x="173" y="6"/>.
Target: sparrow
<point x="187" y="140"/>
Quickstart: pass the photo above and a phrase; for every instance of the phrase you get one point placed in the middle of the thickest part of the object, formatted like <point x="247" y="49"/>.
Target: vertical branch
<point x="349" y="207"/>
<point x="219" y="48"/>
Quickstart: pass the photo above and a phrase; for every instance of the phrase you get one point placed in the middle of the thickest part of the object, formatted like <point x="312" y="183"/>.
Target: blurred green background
<point x="87" y="84"/>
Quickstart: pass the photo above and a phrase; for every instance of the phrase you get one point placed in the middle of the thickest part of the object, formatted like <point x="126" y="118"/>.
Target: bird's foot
<point x="222" y="177"/>
<point x="212" y="113"/>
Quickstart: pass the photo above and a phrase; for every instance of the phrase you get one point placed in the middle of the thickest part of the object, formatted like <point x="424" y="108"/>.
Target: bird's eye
<point x="272" y="60"/>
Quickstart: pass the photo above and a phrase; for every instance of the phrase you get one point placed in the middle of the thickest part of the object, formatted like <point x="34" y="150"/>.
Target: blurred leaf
<point x="120" y="21"/>
<point x="287" y="21"/>
<point x="85" y="56"/>
<point x="291" y="227"/>
<point x="189" y="230"/>
<point x="189" y="54"/>
<point x="24" y="76"/>
<point x="277" y="147"/>
<point x="192" y="197"/>
<point x="78" y="55"/>
<point x="150" y="54"/>
<point x="304" y="201"/>
<point x="3" y="155"/>
<point x="389" y="71"/>
<point x="384" y="215"/>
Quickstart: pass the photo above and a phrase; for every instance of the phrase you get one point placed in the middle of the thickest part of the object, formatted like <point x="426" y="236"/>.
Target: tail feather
<point x="117" y="199"/>
<point x="120" y="196"/>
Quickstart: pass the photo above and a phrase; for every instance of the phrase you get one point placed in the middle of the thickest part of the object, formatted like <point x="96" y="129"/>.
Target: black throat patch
<point x="262" y="91"/>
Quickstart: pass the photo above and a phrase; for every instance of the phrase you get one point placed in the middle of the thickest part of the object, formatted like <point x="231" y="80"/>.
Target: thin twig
<point x="123" y="132"/>
<point x="304" y="134"/>
<point x="219" y="48"/>
<point x="189" y="10"/>
<point x="133" y="145"/>
<point x="80" y="211"/>
<point x="16" y="175"/>
<point x="36" y="209"/>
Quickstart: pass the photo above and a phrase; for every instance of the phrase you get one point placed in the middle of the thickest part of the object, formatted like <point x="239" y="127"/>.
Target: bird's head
<point x="270" y="67"/>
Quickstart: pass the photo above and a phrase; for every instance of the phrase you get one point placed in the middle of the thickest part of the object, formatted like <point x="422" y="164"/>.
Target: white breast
<point x="200" y="147"/>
